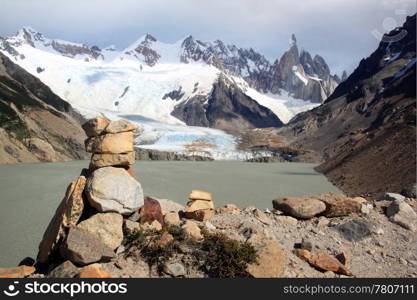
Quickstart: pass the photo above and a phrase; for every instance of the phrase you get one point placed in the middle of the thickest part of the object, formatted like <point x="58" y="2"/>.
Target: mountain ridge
<point x="366" y="129"/>
<point x="35" y="124"/>
<point x="260" y="73"/>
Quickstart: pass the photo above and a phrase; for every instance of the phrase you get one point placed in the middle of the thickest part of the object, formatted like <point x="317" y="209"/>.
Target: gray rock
<point x="287" y="220"/>
<point x="304" y="208"/>
<point x="261" y="216"/>
<point x="305" y="244"/>
<point x="64" y="270"/>
<point x="391" y="197"/>
<point x="107" y="227"/>
<point x="355" y="230"/>
<point x="169" y="205"/>
<point x="114" y="190"/>
<point x="402" y="214"/>
<point x="175" y="269"/>
<point x="135" y="217"/>
<point x="82" y="248"/>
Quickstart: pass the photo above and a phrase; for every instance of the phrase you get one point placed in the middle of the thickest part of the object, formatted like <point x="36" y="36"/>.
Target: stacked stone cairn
<point x="89" y="224"/>
<point x="200" y="207"/>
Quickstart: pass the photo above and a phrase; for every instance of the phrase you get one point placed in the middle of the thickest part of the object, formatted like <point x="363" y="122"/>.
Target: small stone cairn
<point x="200" y="207"/>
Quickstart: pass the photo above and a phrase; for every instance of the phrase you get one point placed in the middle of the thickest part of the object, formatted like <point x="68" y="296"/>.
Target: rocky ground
<point x="368" y="242"/>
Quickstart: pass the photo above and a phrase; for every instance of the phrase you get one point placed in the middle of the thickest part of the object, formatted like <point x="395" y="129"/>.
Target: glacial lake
<point x="30" y="193"/>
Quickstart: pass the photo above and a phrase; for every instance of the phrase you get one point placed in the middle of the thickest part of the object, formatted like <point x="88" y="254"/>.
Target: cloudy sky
<point x="342" y="31"/>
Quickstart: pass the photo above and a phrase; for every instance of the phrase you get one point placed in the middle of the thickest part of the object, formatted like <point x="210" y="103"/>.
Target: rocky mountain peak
<point x="29" y="35"/>
<point x="344" y="76"/>
<point x="293" y="40"/>
<point x="149" y="38"/>
<point x="36" y="39"/>
<point x="246" y="63"/>
<point x="307" y="62"/>
<point x="321" y="67"/>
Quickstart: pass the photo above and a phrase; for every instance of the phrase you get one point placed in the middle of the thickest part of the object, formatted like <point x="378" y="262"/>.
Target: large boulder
<point x="95" y="126"/>
<point x="110" y="143"/>
<point x="107" y="227"/>
<point x="304" y="208"/>
<point x="67" y="214"/>
<point x="100" y="160"/>
<point x="83" y="248"/>
<point x="114" y="190"/>
<point x="402" y="214"/>
<point x="338" y="205"/>
<point x="355" y="230"/>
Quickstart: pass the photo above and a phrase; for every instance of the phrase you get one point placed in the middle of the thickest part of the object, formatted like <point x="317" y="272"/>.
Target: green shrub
<point x="177" y="232"/>
<point x="218" y="255"/>
<point x="227" y="258"/>
<point x="136" y="239"/>
<point x="143" y="240"/>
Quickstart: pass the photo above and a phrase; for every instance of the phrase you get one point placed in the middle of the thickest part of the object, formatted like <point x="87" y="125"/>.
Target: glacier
<point x="117" y="84"/>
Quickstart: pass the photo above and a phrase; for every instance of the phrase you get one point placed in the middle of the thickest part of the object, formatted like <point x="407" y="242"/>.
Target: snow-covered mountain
<point x="190" y="82"/>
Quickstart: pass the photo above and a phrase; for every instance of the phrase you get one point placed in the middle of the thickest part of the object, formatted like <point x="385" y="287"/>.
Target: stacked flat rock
<point x="200" y="207"/>
<point x="111" y="143"/>
<point x="88" y="224"/>
<point x="112" y="186"/>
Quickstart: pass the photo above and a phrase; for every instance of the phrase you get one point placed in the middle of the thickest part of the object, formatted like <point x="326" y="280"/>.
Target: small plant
<point x="177" y="232"/>
<point x="136" y="238"/>
<point x="218" y="255"/>
<point x="227" y="258"/>
<point x="144" y="242"/>
<point x="158" y="256"/>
